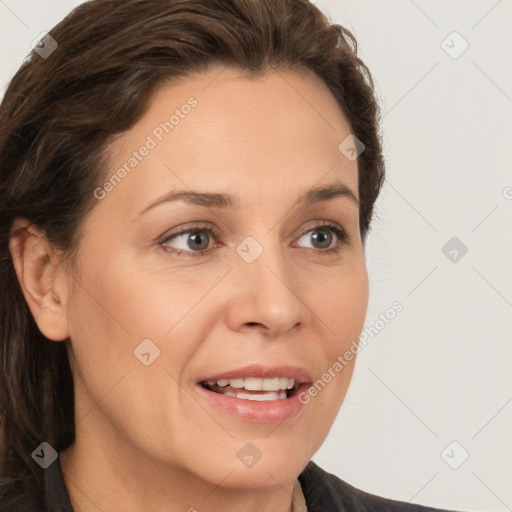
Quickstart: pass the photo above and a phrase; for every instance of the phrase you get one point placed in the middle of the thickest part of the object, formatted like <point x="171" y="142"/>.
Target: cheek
<point x="343" y="305"/>
<point x="121" y="302"/>
<point x="343" y="309"/>
<point x="112" y="313"/>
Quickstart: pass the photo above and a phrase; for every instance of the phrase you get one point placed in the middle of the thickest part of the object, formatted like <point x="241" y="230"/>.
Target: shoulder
<point x="326" y="492"/>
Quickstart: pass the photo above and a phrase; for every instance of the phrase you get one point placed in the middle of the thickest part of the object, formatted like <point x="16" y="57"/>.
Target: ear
<point x="43" y="281"/>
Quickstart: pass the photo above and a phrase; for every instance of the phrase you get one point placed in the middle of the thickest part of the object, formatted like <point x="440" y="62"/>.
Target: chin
<point x="261" y="463"/>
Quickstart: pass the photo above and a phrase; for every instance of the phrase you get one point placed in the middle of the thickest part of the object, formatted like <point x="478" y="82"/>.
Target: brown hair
<point x="62" y="110"/>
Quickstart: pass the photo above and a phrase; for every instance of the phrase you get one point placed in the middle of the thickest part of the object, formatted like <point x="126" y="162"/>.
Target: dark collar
<point x="56" y="493"/>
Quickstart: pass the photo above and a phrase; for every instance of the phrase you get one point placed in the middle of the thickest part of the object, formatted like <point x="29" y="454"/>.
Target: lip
<point x="269" y="411"/>
<point x="262" y="372"/>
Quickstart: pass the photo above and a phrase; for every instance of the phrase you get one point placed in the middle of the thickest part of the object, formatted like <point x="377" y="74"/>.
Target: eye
<point x="323" y="235"/>
<point x="195" y="241"/>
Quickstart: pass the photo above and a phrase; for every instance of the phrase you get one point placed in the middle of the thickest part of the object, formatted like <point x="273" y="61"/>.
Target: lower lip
<point x="268" y="411"/>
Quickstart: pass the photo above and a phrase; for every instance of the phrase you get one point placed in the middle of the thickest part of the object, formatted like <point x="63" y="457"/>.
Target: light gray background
<point x="441" y="370"/>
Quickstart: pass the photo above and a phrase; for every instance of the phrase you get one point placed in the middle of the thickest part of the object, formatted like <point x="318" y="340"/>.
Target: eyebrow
<point x="225" y="201"/>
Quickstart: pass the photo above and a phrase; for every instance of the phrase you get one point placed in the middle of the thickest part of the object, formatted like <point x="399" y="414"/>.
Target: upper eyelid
<point x="198" y="227"/>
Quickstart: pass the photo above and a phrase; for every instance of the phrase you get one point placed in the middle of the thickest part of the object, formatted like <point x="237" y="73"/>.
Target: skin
<point x="144" y="440"/>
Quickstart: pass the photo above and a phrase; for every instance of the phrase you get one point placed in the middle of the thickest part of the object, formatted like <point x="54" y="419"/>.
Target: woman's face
<point x="262" y="280"/>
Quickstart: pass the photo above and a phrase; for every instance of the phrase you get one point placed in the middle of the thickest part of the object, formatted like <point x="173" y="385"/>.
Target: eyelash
<point x="341" y="235"/>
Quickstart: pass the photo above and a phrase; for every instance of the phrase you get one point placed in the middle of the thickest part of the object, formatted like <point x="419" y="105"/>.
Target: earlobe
<point x="42" y="280"/>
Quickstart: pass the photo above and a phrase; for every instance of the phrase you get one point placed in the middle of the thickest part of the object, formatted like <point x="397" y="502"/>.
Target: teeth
<point x="255" y="384"/>
<point x="260" y="398"/>
<point x="270" y="384"/>
<point x="237" y="383"/>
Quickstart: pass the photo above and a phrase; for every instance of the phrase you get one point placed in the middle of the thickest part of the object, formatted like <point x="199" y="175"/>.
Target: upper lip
<point x="300" y="375"/>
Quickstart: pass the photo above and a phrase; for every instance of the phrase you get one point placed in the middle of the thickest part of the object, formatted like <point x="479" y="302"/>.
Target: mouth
<point x="256" y="393"/>
<point x="254" y="388"/>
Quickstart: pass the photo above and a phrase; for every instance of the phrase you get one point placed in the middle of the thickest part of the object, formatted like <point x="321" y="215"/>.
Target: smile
<point x="253" y="388"/>
<point x="255" y="393"/>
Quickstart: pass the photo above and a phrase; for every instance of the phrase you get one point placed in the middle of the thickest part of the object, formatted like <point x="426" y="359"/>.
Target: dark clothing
<point x="323" y="492"/>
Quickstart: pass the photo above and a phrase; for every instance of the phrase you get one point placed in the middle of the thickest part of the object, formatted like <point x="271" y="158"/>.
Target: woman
<point x="186" y="188"/>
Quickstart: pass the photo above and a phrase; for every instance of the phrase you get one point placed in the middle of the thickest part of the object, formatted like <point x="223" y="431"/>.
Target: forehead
<point x="221" y="130"/>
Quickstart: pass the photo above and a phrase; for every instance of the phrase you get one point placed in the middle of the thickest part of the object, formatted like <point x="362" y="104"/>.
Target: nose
<point x="266" y="295"/>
